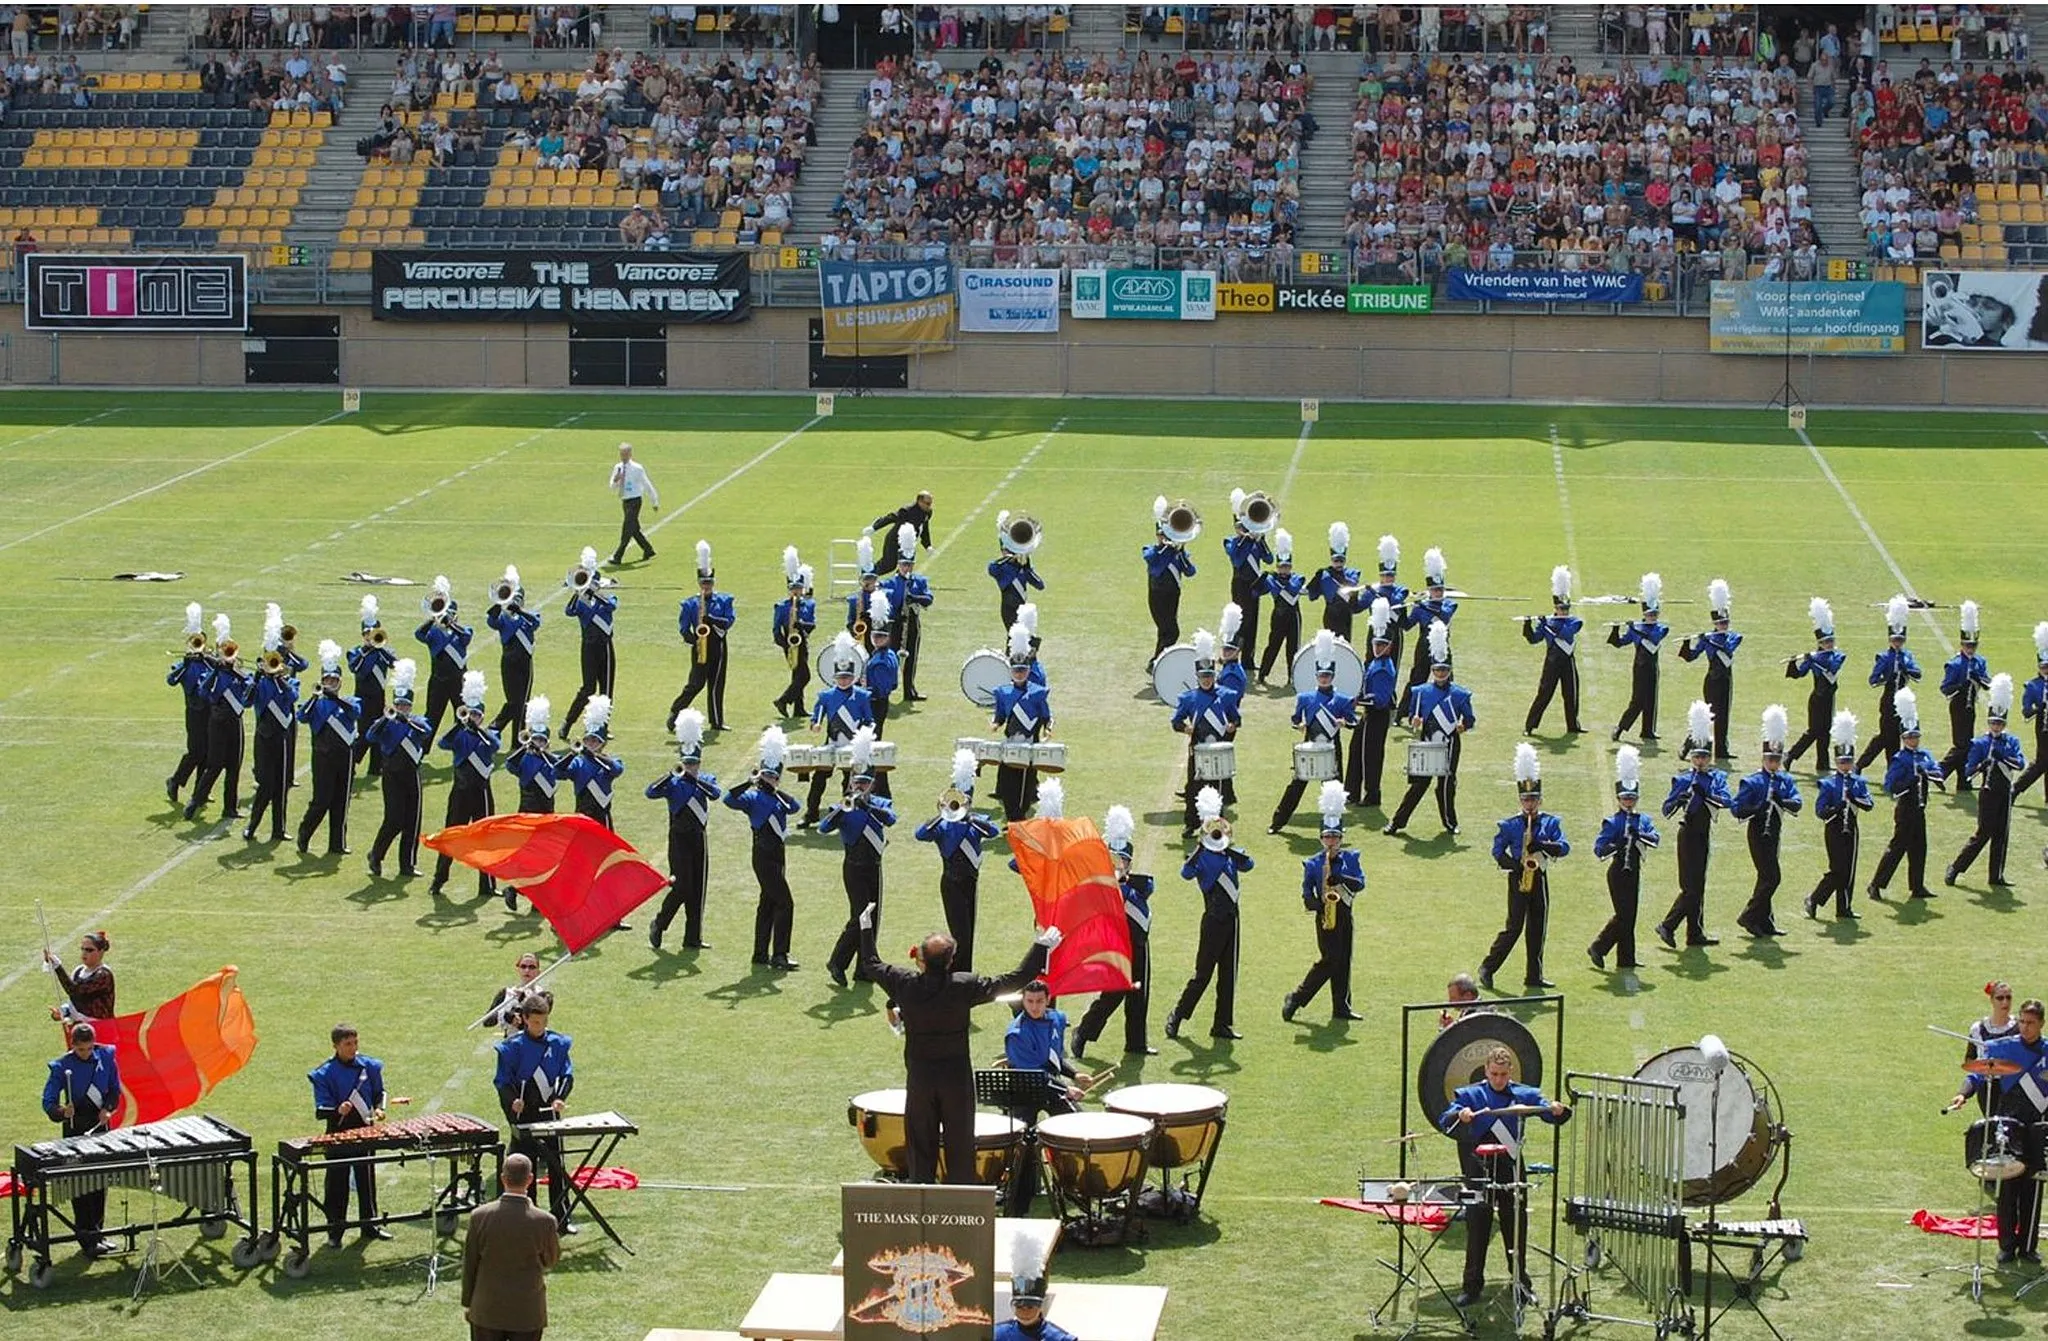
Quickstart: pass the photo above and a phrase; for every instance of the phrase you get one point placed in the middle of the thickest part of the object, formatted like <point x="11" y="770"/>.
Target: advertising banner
<point x="66" y="291"/>
<point x="1245" y="300"/>
<point x="1984" y="310"/>
<point x="1329" y="299"/>
<point x="1544" y="286"/>
<point x="920" y="1261"/>
<point x="886" y="307"/>
<point x="1383" y="300"/>
<point x="1014" y="302"/>
<point x="667" y="286"/>
<point x="1144" y="295"/>
<point x="1813" y="317"/>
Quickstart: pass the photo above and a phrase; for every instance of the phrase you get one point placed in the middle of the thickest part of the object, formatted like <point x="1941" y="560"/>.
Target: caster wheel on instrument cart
<point x="297" y="1263"/>
<point x="1592" y="1254"/>
<point x="43" y="1274"/>
<point x="246" y="1253"/>
<point x="213" y="1229"/>
<point x="266" y="1247"/>
<point x="1795" y="1249"/>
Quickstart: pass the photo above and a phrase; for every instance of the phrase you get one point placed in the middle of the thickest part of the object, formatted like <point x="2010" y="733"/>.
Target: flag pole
<point x="478" y="1023"/>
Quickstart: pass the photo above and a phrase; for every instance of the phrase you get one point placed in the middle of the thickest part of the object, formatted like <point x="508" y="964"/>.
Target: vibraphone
<point x="590" y="1138"/>
<point x="189" y="1161"/>
<point x="297" y="1190"/>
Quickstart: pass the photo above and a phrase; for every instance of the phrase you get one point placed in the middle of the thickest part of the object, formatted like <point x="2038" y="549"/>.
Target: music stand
<point x="1015" y="1092"/>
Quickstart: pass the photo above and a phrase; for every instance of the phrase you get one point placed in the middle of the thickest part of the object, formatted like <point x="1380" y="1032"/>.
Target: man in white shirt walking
<point x="630" y="483"/>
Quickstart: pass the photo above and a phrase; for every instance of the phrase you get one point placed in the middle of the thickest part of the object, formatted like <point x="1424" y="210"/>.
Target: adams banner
<point x="1984" y="311"/>
<point x="883" y="308"/>
<point x="673" y="287"/>
<point x="1811" y="317"/>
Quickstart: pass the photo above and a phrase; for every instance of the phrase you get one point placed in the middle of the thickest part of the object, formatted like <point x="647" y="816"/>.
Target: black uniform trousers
<point x="1418" y="666"/>
<point x="1886" y="737"/>
<point x="193" y="761"/>
<point x="1528" y="920"/>
<point x="1560" y="675"/>
<point x="1962" y="725"/>
<point x="334" y="1201"/>
<point x="880" y="704"/>
<point x="1163" y="596"/>
<point x="1367" y="763"/>
<point x="468" y="802"/>
<point x="938" y="1108"/>
<point x="545" y="1152"/>
<point x="402" y="807"/>
<point x="1624" y="891"/>
<point x="1013" y="601"/>
<point x="707" y="673"/>
<point x="1820" y="714"/>
<point x="1244" y="593"/>
<point x="515" y="678"/>
<point x="1017" y="789"/>
<point x="333" y="764"/>
<point x="819" y="778"/>
<point x="272" y="781"/>
<point x="1135" y="1003"/>
<point x="1446" y="792"/>
<point x="88" y="1209"/>
<point x="2019" y="1199"/>
<point x="444" y="691"/>
<point x="1283" y="640"/>
<point x="1909" y="844"/>
<point x="629" y="530"/>
<point x="1844" y="840"/>
<point x="1719" y="692"/>
<point x="1023" y="1185"/>
<point x="1337" y="615"/>
<point x="1215" y="956"/>
<point x="790" y="702"/>
<point x="861" y="872"/>
<point x="1488" y="1173"/>
<point x="1290" y="799"/>
<point x="600" y="669"/>
<point x="371" y="694"/>
<point x="775" y="913"/>
<point x="1695" y="838"/>
<point x="909" y="639"/>
<point x="1332" y="966"/>
<point x="959" y="894"/>
<point x="1994" y="825"/>
<point x="1765" y="833"/>
<point x="1642" y="695"/>
<point x="689" y="871"/>
<point x="223" y="761"/>
<point x="2037" y="770"/>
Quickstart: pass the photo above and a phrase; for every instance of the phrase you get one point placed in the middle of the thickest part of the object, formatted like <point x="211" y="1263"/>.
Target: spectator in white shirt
<point x="631" y="484"/>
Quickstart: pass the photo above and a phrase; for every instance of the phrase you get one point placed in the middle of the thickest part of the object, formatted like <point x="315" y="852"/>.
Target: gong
<point x="1457" y="1057"/>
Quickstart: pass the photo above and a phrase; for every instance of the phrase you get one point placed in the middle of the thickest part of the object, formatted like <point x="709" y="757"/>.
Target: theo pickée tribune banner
<point x="677" y="287"/>
<point x="885" y="308"/>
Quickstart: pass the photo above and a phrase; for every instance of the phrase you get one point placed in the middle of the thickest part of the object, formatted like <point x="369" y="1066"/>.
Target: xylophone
<point x="590" y="1138"/>
<point x="296" y="1200"/>
<point x="189" y="1160"/>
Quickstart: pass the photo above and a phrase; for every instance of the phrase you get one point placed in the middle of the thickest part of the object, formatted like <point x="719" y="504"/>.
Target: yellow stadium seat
<point x="728" y="238"/>
<point x="703" y="237"/>
<point x="2005" y="191"/>
<point x="2033" y="212"/>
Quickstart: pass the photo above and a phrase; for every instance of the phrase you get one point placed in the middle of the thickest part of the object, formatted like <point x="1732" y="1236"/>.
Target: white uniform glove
<point x="1049" y="938"/>
<point x="867" y="918"/>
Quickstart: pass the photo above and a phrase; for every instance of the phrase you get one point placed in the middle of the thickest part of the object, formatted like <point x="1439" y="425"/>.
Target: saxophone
<point x="1532" y="860"/>
<point x="1331" y="899"/>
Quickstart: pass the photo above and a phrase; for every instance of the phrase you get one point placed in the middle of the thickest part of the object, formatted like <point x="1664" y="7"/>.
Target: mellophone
<point x="1047" y="756"/>
<point x="297" y="1195"/>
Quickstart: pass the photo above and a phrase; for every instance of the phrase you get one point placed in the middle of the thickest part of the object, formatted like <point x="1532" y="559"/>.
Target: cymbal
<point x="1404" y="1138"/>
<point x="1993" y="1067"/>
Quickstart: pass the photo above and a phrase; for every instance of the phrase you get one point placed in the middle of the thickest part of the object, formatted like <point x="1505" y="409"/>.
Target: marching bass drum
<point x="1173" y="673"/>
<point x="1349" y="680"/>
<point x="1730" y="1140"/>
<point x="826" y="654"/>
<point x="984" y="672"/>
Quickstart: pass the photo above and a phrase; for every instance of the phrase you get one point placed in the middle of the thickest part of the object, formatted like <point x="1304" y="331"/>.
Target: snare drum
<point x="1094" y="1156"/>
<point x="1429" y="758"/>
<point x="971" y="744"/>
<point x="1049" y="756"/>
<point x="1017" y="753"/>
<point x="884" y="756"/>
<point x="805" y="759"/>
<point x="988" y="751"/>
<point x="1315" y="760"/>
<point x="1216" y="761"/>
<point x="1189" y="1119"/>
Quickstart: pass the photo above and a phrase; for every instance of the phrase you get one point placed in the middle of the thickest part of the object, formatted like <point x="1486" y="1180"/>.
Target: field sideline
<point x="740" y="1079"/>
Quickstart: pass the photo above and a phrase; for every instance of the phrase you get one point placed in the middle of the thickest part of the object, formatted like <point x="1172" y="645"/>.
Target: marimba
<point x="296" y="1193"/>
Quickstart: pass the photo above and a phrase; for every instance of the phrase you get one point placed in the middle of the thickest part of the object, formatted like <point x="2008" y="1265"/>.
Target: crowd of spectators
<point x="338" y="27"/>
<point x="1704" y="31"/>
<point x="1072" y="159"/>
<point x="300" y="81"/>
<point x="771" y="26"/>
<point x="1372" y="29"/>
<point x="70" y="27"/>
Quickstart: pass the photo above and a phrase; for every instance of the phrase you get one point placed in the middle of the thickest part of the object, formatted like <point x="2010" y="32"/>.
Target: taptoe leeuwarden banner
<point x="878" y="309"/>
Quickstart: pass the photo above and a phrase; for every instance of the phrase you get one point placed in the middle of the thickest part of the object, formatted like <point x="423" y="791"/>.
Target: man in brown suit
<point x="505" y="1261"/>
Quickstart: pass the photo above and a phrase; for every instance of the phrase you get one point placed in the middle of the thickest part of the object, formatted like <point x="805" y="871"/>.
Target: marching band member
<point x="1030" y="1250"/>
<point x="958" y="833"/>
<point x="1890" y="671"/>
<point x="1330" y="881"/>
<point x="1206" y="715"/>
<point x="1389" y="590"/>
<point x="1718" y="646"/>
<point x="1214" y="866"/>
<point x="596" y="610"/>
<point x="1167" y="569"/>
<point x="533" y="1081"/>
<point x="370" y="663"/>
<point x="1961" y="678"/>
<point x="1698" y="792"/>
<point x="1824" y="664"/>
<point x="1027" y="615"/>
<point x="475" y="747"/>
<point x="536" y="767"/>
<point x="89" y="988"/>
<point x="333" y="719"/>
<point x="1337" y="586"/>
<point x="1842" y="794"/>
<point x="1906" y="780"/>
<point x="857" y="622"/>
<point x="1997" y="755"/>
<point x="190" y="672"/>
<point x="510" y="1002"/>
<point x="1378" y="697"/>
<point x="1284" y="585"/>
<point x="791" y="625"/>
<point x="1037" y="1041"/>
<point x="2000" y="1023"/>
<point x="516" y="626"/>
<point x="1624" y="836"/>
<point x="840" y="711"/>
<point x="1230" y="671"/>
<point x="1248" y="554"/>
<point x="689" y="791"/>
<point x="1647" y="636"/>
<point x="705" y="621"/>
<point x="1524" y="845"/>
<point x="1762" y="800"/>
<point x="2023" y="1097"/>
<point x="1023" y="712"/>
<point x="909" y="593"/>
<point x="1558" y="632"/>
<point x="1437" y="710"/>
<point x="1470" y="1121"/>
<point x="590" y="771"/>
<point x="917" y="515"/>
<point x="768" y="809"/>
<point x="274" y="614"/>
<point x="861" y="821"/>
<point x="83" y="1086"/>
<point x="447" y="643"/>
<point x="883" y="670"/>
<point x="2034" y="704"/>
<point x="348" y="1092"/>
<point x="1012" y="573"/>
<point x="229" y="692"/>
<point x="402" y="740"/>
<point x="1434" y="608"/>
<point x="1322" y="716"/>
<point x="1118" y="829"/>
<point x="275" y="701"/>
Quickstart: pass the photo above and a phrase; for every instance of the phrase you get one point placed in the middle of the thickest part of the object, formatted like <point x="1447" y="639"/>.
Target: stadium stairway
<point x="841" y="114"/>
<point x="1095" y="27"/>
<point x="1326" y="160"/>
<point x="1831" y="184"/>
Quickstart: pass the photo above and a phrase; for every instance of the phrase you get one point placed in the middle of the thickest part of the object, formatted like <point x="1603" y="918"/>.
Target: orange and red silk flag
<point x="1066" y="866"/>
<point x="581" y="876"/>
<point x="172" y="1056"/>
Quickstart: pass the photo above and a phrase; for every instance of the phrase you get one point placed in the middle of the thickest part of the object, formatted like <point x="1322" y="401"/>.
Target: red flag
<point x="1066" y="866"/>
<point x="581" y="876"/>
<point x="172" y="1056"/>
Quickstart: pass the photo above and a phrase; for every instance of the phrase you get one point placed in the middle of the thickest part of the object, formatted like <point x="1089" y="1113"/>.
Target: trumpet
<point x="271" y="662"/>
<point x="1182" y="524"/>
<point x="288" y="635"/>
<point x="377" y="637"/>
<point x="1261" y="514"/>
<point x="1021" y="535"/>
<point x="195" y="645"/>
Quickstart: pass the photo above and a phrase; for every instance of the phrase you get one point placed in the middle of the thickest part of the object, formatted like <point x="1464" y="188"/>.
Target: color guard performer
<point x="2034" y="704"/>
<point x="1206" y="714"/>
<point x="1470" y="1121"/>
<point x="958" y="833"/>
<point x="1248" y="554"/>
<point x="1167" y="568"/>
<point x="333" y="719"/>
<point x="917" y="515"/>
<point x="1892" y="670"/>
<point x="1906" y="780"/>
<point x="1842" y="794"/>
<point x="475" y="747"/>
<point x="1762" y="800"/>
<point x="910" y="593"/>
<point x="1961" y="678"/>
<point x="80" y="1094"/>
<point x="447" y="642"/>
<point x="1434" y="608"/>
<point x="509" y="1003"/>
<point x="1998" y="757"/>
<point x="1022" y="711"/>
<point x="89" y="988"/>
<point x="275" y="703"/>
<point x="2022" y="1097"/>
<point x="689" y="791"/>
<point x="590" y="771"/>
<point x="190" y="673"/>
<point x="1647" y="636"/>
<point x="1718" y="646"/>
<point x="1284" y="585"/>
<point x="533" y="1081"/>
<point x="348" y="1092"/>
<point x="1338" y="586"/>
<point x="1558" y="632"/>
<point x="1011" y="570"/>
<point x="1999" y="1023"/>
<point x="1214" y="866"/>
<point x="1524" y="845"/>
<point x="370" y="664"/>
<point x="840" y="711"/>
<point x="402" y="739"/>
<point x="1330" y="882"/>
<point x="1695" y="795"/>
<point x="1389" y="590"/>
<point x="1118" y="830"/>
<point x="862" y="821"/>
<point x="1438" y="710"/>
<point x="537" y="768"/>
<point x="229" y="692"/>
<point x="1322" y="715"/>
<point x="1624" y="837"/>
<point x="596" y="610"/>
<point x="768" y="808"/>
<point x="516" y="627"/>
<point x="794" y="619"/>
<point x="1824" y="664"/>
<point x="705" y="621"/>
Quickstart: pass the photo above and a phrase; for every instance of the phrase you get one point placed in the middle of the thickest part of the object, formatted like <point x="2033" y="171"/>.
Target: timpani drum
<point x="1189" y="1119"/>
<point x="1315" y="760"/>
<point x="1216" y="761"/>
<point x="1049" y="756"/>
<point x="1349" y="680"/>
<point x="1173" y="673"/>
<point x="998" y="1141"/>
<point x="1095" y="1156"/>
<point x="1429" y="758"/>
<point x="877" y="1116"/>
<point x="984" y="672"/>
<point x="1731" y="1140"/>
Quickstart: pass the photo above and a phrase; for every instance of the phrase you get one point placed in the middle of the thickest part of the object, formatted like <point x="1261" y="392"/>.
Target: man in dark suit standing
<point x="505" y="1260"/>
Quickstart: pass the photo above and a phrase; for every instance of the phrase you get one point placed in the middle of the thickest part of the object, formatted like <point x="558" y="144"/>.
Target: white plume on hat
<point x="1340" y="538"/>
<point x="1002" y="523"/>
<point x="774" y="745"/>
<point x="597" y="715"/>
<point x="1118" y="827"/>
<point x="880" y="609"/>
<point x="1433" y="566"/>
<point x="1205" y="646"/>
<point x="805" y="575"/>
<point x="1390" y="553"/>
<point x="1030" y="1247"/>
<point x="864" y="554"/>
<point x="2000" y="698"/>
<point x="2041" y="641"/>
<point x="1699" y="725"/>
<point x="1230" y="622"/>
<point x="1020" y="640"/>
<point x="330" y="657"/>
<point x="963" y="771"/>
<point x="1718" y="596"/>
<point x="1380" y="617"/>
<point x="1027" y="615"/>
<point x="1283" y="545"/>
<point x="441" y="587"/>
<point x="1326" y="650"/>
<point x="1895" y="614"/>
<point x="1159" y="509"/>
<point x="863" y="745"/>
<point x="1527" y="767"/>
<point x="220" y="628"/>
<point x="1907" y="705"/>
<point x="273" y="613"/>
<point x="792" y="565"/>
<point x="1237" y="497"/>
<point x="1969" y="619"/>
<point x="588" y="558"/>
<point x="539" y="712"/>
<point x="406" y="673"/>
<point x="1439" y="644"/>
<point x="473" y="688"/>
<point x="369" y="610"/>
<point x="273" y="627"/>
<point x="906" y="543"/>
<point x="842" y="651"/>
<point x="195" y="617"/>
<point x="690" y="730"/>
<point x="1208" y="805"/>
<point x="1561" y="583"/>
<point x="1052" y="799"/>
<point x="703" y="557"/>
<point x="1842" y="731"/>
<point x="1628" y="768"/>
<point x="1821" y="614"/>
<point x="1652" y="591"/>
<point x="1777" y="725"/>
<point x="1330" y="801"/>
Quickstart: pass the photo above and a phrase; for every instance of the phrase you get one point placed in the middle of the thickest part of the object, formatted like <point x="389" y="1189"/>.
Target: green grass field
<point x="739" y="1078"/>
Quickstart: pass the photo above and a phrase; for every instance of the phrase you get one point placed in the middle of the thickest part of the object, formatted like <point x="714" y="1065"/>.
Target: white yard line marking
<point x="59" y="428"/>
<point x="1002" y="484"/>
<point x="1294" y="462"/>
<point x="2042" y="434"/>
<point x="740" y="470"/>
<point x="1870" y="533"/>
<point x="1564" y="500"/>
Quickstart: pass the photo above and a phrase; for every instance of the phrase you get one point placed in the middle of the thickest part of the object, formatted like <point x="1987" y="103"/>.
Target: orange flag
<point x="580" y="876"/>
<point x="171" y="1057"/>
<point x="1066" y="866"/>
